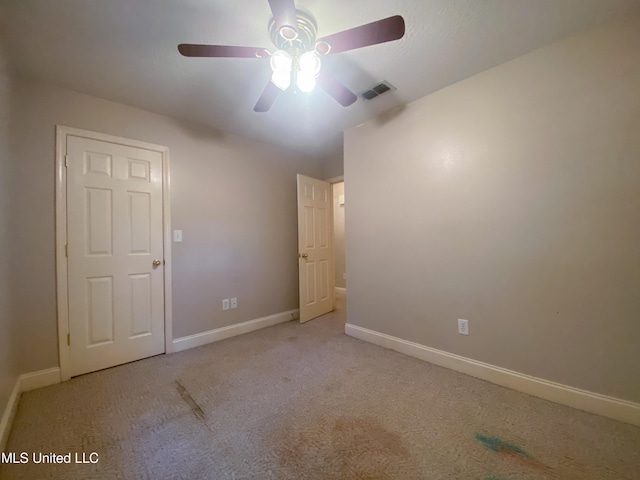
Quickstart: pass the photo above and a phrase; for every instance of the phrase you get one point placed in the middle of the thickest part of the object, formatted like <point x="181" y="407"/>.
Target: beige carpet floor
<point x="307" y="402"/>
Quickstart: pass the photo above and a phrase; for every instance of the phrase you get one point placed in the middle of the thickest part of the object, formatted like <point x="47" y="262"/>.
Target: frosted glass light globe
<point x="281" y="61"/>
<point x="281" y="79"/>
<point x="306" y="82"/>
<point x="310" y="63"/>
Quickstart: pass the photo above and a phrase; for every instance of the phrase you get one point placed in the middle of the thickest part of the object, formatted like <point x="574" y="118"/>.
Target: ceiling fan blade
<point x="335" y="89"/>
<point x="382" y="31"/>
<point x="267" y="98"/>
<point x="284" y="14"/>
<point x="193" y="50"/>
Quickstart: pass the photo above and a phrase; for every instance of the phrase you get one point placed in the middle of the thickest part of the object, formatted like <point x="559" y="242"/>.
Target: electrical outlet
<point x="463" y="326"/>
<point x="234" y="302"/>
<point x="225" y="304"/>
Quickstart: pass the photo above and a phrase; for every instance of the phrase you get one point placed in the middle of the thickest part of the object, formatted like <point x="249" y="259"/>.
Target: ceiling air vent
<point x="379" y="89"/>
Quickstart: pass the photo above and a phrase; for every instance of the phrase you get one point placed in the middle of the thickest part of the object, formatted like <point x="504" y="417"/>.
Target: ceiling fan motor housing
<point x="305" y="39"/>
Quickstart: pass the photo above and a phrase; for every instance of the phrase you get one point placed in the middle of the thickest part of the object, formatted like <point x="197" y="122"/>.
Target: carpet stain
<point x="286" y="379"/>
<point x="512" y="451"/>
<point x="292" y="338"/>
<point x="343" y="447"/>
<point x="498" y="445"/>
<point x="188" y="399"/>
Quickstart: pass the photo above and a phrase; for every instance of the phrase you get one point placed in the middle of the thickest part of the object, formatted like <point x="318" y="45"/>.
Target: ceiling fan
<point x="297" y="60"/>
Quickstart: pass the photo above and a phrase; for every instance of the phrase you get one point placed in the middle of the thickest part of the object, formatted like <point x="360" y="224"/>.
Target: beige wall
<point x="338" y="235"/>
<point x="333" y="166"/>
<point x="511" y="199"/>
<point x="8" y="370"/>
<point x="234" y="199"/>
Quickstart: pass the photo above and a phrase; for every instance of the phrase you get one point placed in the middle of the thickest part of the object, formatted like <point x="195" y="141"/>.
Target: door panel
<point x="139" y="223"/>
<point x="98" y="221"/>
<point x="100" y="310"/>
<point x="315" y="249"/>
<point x="114" y="222"/>
<point x="141" y="305"/>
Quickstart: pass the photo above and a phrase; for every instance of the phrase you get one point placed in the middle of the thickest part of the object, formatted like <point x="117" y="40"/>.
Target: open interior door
<point x="315" y="248"/>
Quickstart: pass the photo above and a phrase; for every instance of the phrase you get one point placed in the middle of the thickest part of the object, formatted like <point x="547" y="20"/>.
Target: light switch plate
<point x="234" y="302"/>
<point x="177" y="235"/>
<point x="225" y="304"/>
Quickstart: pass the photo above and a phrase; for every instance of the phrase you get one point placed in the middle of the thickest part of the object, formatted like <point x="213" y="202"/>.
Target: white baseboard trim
<point x="24" y="383"/>
<point x="199" y="339"/>
<point x="43" y="378"/>
<point x="341" y="290"/>
<point x="8" y="415"/>
<point x="604" y="405"/>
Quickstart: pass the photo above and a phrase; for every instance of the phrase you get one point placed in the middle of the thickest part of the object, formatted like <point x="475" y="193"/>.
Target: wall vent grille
<point x="379" y="89"/>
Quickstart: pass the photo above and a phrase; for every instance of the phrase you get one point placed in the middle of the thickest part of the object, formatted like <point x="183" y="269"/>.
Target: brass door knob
<point x="157" y="262"/>
<point x="303" y="255"/>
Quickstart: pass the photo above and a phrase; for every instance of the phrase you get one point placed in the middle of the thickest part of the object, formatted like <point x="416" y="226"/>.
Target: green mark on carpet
<point x="512" y="451"/>
<point x="498" y="445"/>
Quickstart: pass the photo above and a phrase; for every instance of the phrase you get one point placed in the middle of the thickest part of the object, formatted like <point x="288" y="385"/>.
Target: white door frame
<point x="61" y="236"/>
<point x="333" y="246"/>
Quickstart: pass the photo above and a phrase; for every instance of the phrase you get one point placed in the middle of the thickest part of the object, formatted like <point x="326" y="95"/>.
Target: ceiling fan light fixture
<point x="310" y="63"/>
<point x="281" y="64"/>
<point x="305" y="81"/>
<point x="281" y="79"/>
<point x="281" y="61"/>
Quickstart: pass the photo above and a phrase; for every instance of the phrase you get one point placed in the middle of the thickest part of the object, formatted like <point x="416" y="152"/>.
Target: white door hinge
<point x="66" y="160"/>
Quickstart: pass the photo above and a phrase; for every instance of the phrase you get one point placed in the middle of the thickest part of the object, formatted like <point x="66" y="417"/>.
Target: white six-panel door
<point x="315" y="247"/>
<point x="114" y="235"/>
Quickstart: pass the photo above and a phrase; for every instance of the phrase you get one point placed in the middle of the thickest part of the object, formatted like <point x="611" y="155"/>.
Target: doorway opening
<point x="321" y="221"/>
<point x="339" y="258"/>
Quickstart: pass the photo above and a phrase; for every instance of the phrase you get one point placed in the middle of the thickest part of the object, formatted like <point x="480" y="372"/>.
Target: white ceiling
<point x="125" y="50"/>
